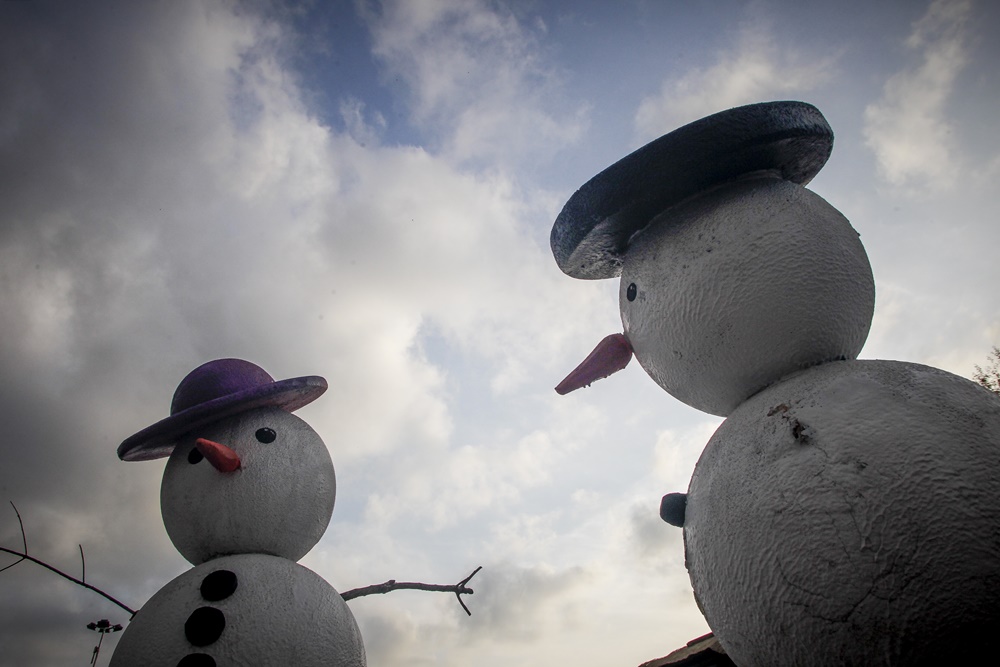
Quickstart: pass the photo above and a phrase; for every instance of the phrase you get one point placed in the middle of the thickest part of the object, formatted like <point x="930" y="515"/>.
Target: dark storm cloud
<point x="102" y="134"/>
<point x="162" y="191"/>
<point x="93" y="156"/>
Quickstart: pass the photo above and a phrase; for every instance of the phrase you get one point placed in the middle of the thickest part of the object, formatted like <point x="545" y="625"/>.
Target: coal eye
<point x="266" y="435"/>
<point x="631" y="292"/>
<point x="194" y="456"/>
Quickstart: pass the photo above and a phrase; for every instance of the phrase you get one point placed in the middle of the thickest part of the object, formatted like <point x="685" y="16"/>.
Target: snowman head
<point x="733" y="275"/>
<point x="244" y="474"/>
<point x="260" y="481"/>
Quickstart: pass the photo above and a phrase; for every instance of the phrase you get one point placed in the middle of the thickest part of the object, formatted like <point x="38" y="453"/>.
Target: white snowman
<point x="248" y="489"/>
<point x="846" y="512"/>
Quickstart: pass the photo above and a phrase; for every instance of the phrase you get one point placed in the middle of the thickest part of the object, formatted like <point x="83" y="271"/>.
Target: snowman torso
<point x="246" y="609"/>
<point x="849" y="516"/>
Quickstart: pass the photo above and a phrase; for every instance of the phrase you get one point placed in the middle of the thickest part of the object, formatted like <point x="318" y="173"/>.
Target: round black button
<point x="218" y="585"/>
<point x="204" y="626"/>
<point x="197" y="660"/>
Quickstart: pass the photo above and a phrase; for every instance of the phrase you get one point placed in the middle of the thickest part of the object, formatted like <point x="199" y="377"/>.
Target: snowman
<point x="846" y="512"/>
<point x="248" y="489"/>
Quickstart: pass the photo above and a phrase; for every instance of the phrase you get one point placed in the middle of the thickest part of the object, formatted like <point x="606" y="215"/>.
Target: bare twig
<point x="990" y="377"/>
<point x="23" y="555"/>
<point x="7" y="567"/>
<point x="24" y="540"/>
<point x="83" y="565"/>
<point x="458" y="589"/>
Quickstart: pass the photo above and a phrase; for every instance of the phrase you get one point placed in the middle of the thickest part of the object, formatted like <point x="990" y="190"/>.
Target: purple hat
<point x="215" y="390"/>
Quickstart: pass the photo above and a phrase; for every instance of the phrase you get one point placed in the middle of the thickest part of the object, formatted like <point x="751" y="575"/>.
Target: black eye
<point x="194" y="456"/>
<point x="631" y="292"/>
<point x="266" y="435"/>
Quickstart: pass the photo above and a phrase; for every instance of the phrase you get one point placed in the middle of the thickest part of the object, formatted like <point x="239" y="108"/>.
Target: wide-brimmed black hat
<point x="215" y="390"/>
<point x="591" y="235"/>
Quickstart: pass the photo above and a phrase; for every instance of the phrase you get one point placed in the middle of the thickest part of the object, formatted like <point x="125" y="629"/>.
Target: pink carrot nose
<point x="221" y="457"/>
<point x="610" y="356"/>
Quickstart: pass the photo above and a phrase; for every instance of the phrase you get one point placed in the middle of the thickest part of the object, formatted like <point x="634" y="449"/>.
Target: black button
<point x="204" y="626"/>
<point x="218" y="585"/>
<point x="197" y="660"/>
<point x="673" y="507"/>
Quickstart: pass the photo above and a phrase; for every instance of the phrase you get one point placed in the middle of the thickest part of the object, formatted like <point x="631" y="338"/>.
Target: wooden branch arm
<point x="458" y="589"/>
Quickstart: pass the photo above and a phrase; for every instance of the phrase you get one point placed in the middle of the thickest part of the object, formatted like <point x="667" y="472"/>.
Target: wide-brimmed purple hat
<point x="215" y="390"/>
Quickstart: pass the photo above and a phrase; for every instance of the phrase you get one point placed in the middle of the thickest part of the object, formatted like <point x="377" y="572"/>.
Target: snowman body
<point x="846" y="512"/>
<point x="248" y="489"/>
<point x="848" y="516"/>
<point x="245" y="609"/>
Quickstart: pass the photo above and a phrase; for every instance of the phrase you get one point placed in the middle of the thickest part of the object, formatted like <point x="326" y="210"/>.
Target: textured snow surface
<point x="279" y="502"/>
<point x="280" y="614"/>
<point x="850" y="515"/>
<point x="741" y="286"/>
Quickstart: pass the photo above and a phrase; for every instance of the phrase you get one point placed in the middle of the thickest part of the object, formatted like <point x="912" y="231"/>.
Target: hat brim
<point x="591" y="235"/>
<point x="158" y="441"/>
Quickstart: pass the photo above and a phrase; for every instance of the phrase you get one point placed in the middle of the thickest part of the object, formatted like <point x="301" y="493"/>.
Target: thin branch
<point x="989" y="378"/>
<point x="83" y="565"/>
<point x="461" y="587"/>
<point x="7" y="567"/>
<point x="458" y="589"/>
<point x="24" y="539"/>
<point x="63" y="574"/>
<point x="24" y="556"/>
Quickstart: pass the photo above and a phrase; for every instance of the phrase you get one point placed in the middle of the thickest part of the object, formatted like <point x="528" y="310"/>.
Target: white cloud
<point x="478" y="78"/>
<point x="677" y="450"/>
<point x="489" y="477"/>
<point x="186" y="205"/>
<point x="908" y="128"/>
<point x="362" y="127"/>
<point x="757" y="69"/>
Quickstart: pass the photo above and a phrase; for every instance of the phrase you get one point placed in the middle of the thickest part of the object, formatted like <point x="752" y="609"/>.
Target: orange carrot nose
<point x="221" y="457"/>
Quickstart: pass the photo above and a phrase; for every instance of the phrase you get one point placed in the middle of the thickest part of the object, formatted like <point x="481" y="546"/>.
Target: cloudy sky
<point x="365" y="191"/>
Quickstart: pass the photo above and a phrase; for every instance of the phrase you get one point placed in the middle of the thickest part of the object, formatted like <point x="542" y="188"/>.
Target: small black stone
<point x="204" y="626"/>
<point x="197" y="660"/>
<point x="673" y="508"/>
<point x="631" y="292"/>
<point x="218" y="585"/>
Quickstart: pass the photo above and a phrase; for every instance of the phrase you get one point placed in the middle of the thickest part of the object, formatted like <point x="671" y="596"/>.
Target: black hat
<point x="591" y="235"/>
